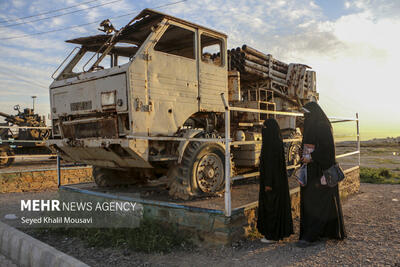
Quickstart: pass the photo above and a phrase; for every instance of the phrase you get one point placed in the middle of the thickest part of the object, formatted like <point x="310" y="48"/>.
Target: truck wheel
<point x="110" y="177"/>
<point x="292" y="152"/>
<point x="202" y="171"/>
<point x="5" y="159"/>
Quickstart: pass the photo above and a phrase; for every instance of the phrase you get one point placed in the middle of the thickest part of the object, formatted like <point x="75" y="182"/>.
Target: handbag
<point x="301" y="175"/>
<point x="334" y="175"/>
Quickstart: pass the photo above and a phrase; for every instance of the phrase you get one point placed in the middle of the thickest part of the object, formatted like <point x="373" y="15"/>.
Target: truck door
<point x="173" y="78"/>
<point x="213" y="77"/>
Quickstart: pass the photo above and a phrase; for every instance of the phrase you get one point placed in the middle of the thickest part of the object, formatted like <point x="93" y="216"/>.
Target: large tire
<point x="5" y="160"/>
<point x="104" y="177"/>
<point x="202" y="171"/>
<point x="292" y="151"/>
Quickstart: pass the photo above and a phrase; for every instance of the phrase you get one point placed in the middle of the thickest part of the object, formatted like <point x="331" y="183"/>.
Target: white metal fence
<point x="229" y="142"/>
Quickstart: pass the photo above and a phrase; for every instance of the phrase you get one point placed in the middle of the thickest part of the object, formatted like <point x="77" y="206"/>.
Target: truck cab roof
<point x="135" y="33"/>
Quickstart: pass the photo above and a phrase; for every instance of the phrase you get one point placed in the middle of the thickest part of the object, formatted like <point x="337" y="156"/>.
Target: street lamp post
<point x="33" y="102"/>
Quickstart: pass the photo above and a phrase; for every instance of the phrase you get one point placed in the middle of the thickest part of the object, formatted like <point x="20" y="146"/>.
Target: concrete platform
<point x="244" y="194"/>
<point x="204" y="217"/>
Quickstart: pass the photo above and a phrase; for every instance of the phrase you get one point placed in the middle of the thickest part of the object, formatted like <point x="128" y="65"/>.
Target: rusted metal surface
<point x="163" y="89"/>
<point x="290" y="80"/>
<point x="111" y="153"/>
<point x="104" y="128"/>
<point x="84" y="95"/>
<point x="234" y="86"/>
<point x="158" y="103"/>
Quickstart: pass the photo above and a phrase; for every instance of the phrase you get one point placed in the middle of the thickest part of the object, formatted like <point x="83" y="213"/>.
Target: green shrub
<point x="378" y="176"/>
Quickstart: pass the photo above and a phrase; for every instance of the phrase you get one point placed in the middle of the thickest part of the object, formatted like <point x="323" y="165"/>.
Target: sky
<point x="352" y="45"/>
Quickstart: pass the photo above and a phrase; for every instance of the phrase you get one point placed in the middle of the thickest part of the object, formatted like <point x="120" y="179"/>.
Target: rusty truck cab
<point x="146" y="79"/>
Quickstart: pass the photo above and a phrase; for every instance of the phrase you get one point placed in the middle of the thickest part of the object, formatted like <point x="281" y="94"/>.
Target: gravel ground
<point x="371" y="218"/>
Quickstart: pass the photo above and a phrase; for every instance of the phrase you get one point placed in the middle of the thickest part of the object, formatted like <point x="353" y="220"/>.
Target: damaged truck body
<point x="160" y="76"/>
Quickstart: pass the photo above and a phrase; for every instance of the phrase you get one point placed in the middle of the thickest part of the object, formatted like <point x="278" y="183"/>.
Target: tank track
<point x="6" y="162"/>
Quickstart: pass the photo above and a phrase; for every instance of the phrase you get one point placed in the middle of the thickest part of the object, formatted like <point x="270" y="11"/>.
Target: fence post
<point x="58" y="171"/>
<point x="228" y="208"/>
<point x="227" y="196"/>
<point x="358" y="140"/>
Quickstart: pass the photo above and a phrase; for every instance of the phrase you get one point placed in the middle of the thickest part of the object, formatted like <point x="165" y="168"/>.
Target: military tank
<point x="22" y="134"/>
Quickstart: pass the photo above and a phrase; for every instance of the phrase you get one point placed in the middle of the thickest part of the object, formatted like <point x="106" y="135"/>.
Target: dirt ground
<point x="371" y="218"/>
<point x="373" y="157"/>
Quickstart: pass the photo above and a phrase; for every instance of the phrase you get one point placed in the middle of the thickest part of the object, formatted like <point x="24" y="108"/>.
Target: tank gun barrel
<point x="5" y="115"/>
<point x="11" y="118"/>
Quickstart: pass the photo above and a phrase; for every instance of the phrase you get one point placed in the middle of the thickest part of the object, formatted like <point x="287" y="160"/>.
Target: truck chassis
<point x="133" y="120"/>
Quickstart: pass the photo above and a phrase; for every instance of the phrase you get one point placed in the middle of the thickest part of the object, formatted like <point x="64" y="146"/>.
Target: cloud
<point x="57" y="21"/>
<point x="121" y="7"/>
<point x="379" y="8"/>
<point x="356" y="58"/>
<point x="18" y="3"/>
<point x="35" y="42"/>
<point x="355" y="55"/>
<point x="30" y="55"/>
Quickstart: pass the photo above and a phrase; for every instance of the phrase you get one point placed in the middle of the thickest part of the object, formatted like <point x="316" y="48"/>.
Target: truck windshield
<point x="120" y="54"/>
<point x="119" y="49"/>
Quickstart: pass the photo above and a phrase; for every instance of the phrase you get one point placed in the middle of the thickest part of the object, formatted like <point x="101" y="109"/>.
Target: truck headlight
<point x="108" y="99"/>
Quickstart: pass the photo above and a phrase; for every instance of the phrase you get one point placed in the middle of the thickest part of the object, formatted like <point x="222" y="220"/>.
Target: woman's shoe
<point x="267" y="241"/>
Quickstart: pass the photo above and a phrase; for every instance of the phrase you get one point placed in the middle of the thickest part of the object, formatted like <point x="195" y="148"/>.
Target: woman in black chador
<point x="274" y="207"/>
<point x="320" y="209"/>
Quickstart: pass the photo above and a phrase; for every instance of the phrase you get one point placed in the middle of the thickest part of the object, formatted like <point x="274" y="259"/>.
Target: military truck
<point x="161" y="76"/>
<point x="27" y="139"/>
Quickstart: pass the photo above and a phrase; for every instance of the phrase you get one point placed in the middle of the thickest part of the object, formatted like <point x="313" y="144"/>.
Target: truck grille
<point x="105" y="128"/>
<point x="85" y="105"/>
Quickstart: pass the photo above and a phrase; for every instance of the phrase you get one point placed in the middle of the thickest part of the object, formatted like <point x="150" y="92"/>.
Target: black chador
<point x="274" y="206"/>
<point x="320" y="209"/>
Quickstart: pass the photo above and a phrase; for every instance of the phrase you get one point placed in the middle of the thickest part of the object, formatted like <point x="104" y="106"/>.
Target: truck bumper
<point x="108" y="153"/>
